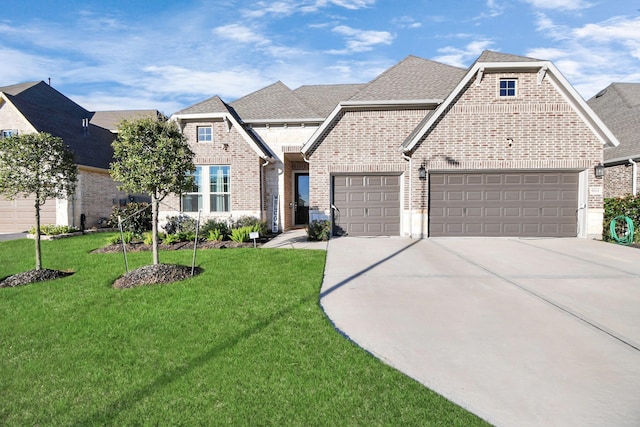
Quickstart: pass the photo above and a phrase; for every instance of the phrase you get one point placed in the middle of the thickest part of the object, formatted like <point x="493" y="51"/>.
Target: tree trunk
<point x="37" y="236"/>
<point x="155" y="206"/>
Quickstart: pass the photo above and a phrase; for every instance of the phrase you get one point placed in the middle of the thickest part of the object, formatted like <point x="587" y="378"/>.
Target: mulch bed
<point x="154" y="275"/>
<point x="139" y="247"/>
<point x="33" y="276"/>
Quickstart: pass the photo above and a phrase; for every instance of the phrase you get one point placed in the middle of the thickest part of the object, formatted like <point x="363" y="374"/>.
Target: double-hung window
<point x="220" y="189"/>
<point x="205" y="133"/>
<point x="508" y="87"/>
<point x="211" y="190"/>
<point x="192" y="199"/>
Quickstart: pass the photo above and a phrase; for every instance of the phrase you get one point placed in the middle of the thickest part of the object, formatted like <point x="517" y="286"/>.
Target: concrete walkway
<point x="538" y="332"/>
<point x="294" y="239"/>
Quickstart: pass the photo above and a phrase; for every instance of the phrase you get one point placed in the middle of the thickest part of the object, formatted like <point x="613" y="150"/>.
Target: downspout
<point x="263" y="207"/>
<point x="634" y="177"/>
<point x="409" y="159"/>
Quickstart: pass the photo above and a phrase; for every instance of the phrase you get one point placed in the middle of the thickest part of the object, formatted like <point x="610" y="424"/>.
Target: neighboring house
<point x="618" y="105"/>
<point x="504" y="148"/>
<point x="37" y="107"/>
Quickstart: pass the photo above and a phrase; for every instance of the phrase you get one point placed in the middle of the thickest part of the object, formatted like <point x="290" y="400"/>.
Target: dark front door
<point x="301" y="205"/>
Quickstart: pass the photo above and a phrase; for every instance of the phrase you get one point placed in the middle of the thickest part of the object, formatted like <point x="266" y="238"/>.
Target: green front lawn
<point x="244" y="343"/>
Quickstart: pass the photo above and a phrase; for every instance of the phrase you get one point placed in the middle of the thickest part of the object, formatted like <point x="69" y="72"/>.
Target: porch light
<point x="422" y="173"/>
<point x="599" y="170"/>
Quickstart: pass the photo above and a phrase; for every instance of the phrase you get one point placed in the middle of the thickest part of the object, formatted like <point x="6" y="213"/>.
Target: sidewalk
<point x="294" y="239"/>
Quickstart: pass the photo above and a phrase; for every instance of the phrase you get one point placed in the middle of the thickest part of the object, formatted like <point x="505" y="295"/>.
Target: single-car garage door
<point x="19" y="215"/>
<point x="524" y="204"/>
<point x="366" y="205"/>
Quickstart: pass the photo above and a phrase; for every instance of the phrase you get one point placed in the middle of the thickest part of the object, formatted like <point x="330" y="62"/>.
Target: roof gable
<point x="618" y="105"/>
<point x="412" y="78"/>
<point x="211" y="105"/>
<point x="49" y="111"/>
<point x="492" y="56"/>
<point x="274" y="102"/>
<point x="544" y="69"/>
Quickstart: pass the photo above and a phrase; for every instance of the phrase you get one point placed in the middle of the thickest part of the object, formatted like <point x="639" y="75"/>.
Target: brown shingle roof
<point x="618" y="106"/>
<point x="412" y="79"/>
<point x="111" y="119"/>
<point x="274" y="102"/>
<point x="324" y="98"/>
<point x="50" y="111"/>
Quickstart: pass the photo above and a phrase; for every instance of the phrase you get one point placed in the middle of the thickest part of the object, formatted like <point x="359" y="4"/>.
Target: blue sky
<point x="167" y="55"/>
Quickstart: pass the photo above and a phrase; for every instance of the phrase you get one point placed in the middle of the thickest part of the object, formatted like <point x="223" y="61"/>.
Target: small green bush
<point x="55" y="230"/>
<point x="127" y="235"/>
<point x="180" y="224"/>
<point x="147" y="238"/>
<point x="319" y="230"/>
<point x="616" y="206"/>
<point x="251" y="221"/>
<point x="136" y="217"/>
<point x="215" y="236"/>
<point x="220" y="227"/>
<point x="169" y="239"/>
<point x="241" y="234"/>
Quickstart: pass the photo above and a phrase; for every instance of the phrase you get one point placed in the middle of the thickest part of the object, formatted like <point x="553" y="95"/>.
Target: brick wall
<point x="227" y="148"/>
<point x="359" y="142"/>
<point x="618" y="180"/>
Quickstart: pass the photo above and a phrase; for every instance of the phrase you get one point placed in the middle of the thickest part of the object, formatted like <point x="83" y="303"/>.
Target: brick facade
<point x="227" y="147"/>
<point x="618" y="181"/>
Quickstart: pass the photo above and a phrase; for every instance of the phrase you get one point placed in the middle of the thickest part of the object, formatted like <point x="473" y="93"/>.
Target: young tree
<point x="39" y="164"/>
<point x="152" y="157"/>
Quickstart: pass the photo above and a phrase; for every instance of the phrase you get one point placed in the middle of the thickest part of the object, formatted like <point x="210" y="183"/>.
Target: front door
<point x="301" y="204"/>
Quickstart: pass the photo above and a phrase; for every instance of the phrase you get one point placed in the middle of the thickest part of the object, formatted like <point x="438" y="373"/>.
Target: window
<point x="6" y="133"/>
<point x="192" y="199"/>
<point x="219" y="187"/>
<point x="508" y="87"/>
<point x="205" y="134"/>
<point x="215" y="197"/>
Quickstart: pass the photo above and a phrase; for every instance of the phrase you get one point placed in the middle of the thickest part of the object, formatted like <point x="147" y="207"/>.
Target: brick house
<point x="38" y="107"/>
<point x="618" y="105"/>
<point x="504" y="148"/>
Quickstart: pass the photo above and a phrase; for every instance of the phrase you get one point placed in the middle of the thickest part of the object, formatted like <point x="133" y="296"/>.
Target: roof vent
<point x="602" y="92"/>
<point x="85" y="127"/>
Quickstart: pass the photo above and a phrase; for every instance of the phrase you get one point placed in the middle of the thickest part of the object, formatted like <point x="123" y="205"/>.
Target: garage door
<point x="366" y="205"/>
<point x="525" y="204"/>
<point x="18" y="215"/>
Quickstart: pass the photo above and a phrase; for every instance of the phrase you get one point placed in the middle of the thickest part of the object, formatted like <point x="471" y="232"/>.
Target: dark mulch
<point x="140" y="247"/>
<point x="154" y="274"/>
<point x="33" y="276"/>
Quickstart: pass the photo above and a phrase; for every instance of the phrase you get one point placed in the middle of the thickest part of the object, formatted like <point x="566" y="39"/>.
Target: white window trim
<point x="205" y="192"/>
<point x="515" y="89"/>
<point x="204" y="141"/>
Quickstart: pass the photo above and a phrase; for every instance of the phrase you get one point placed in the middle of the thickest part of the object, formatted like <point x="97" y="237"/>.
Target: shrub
<point x="220" y="227"/>
<point x="127" y="235"/>
<point x="251" y="221"/>
<point x="54" y="230"/>
<point x="136" y="217"/>
<point x="169" y="239"/>
<point x="241" y="234"/>
<point x="616" y="206"/>
<point x="215" y="236"/>
<point x="180" y="224"/>
<point x="319" y="230"/>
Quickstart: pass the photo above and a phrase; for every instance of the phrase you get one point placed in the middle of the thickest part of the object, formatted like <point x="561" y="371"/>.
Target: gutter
<point x="409" y="159"/>
<point x="634" y="177"/>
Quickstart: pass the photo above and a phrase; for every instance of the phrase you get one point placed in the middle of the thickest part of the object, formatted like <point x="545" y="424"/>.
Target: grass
<point x="244" y="343"/>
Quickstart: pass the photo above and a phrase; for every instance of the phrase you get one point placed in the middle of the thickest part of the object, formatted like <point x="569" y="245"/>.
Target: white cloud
<point x="461" y="57"/>
<point x="361" y="40"/>
<point x="406" y="22"/>
<point x="240" y="33"/>
<point x="559" y="4"/>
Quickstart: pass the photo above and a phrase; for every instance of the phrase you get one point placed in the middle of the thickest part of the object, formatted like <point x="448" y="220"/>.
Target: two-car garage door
<point x="525" y="204"/>
<point x="522" y="204"/>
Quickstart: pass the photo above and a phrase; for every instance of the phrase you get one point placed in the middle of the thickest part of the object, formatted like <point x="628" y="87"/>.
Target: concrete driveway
<point x="521" y="332"/>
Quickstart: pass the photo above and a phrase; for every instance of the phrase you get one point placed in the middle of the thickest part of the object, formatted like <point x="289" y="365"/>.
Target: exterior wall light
<point x="599" y="170"/>
<point x="422" y="173"/>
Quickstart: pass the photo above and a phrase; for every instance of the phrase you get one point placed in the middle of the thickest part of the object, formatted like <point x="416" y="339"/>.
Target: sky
<point x="168" y="55"/>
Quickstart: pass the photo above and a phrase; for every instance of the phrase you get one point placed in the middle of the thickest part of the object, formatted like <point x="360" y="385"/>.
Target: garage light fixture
<point x="599" y="170"/>
<point x="422" y="172"/>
